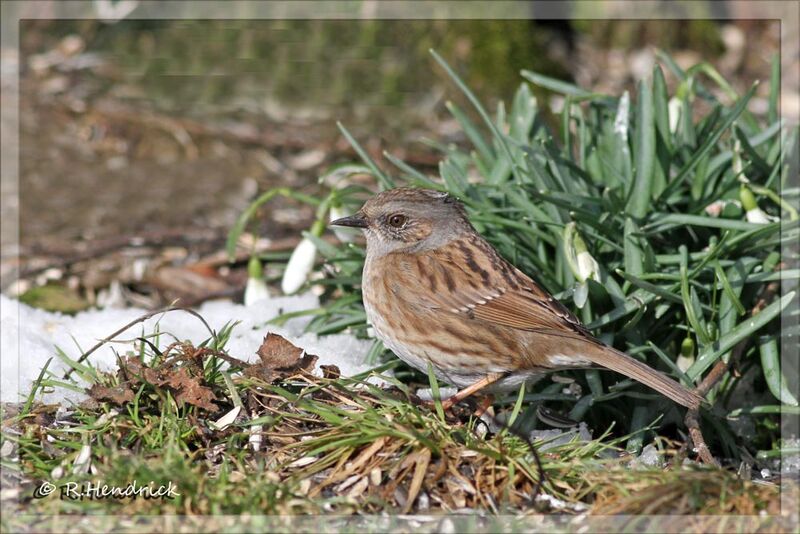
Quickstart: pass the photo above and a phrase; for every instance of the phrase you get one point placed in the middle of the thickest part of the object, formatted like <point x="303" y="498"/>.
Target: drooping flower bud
<point x="621" y="119"/>
<point x="83" y="462"/>
<point x="301" y="262"/>
<point x="256" y="288"/>
<point x="581" y="262"/>
<point x="753" y="213"/>
<point x="588" y="267"/>
<point x="674" y="113"/>
<point x="686" y="357"/>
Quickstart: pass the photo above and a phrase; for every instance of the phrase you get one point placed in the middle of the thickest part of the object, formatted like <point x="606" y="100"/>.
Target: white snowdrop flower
<point x="83" y="461"/>
<point x="299" y="267"/>
<point x="256" y="288"/>
<point x="684" y="362"/>
<point x="255" y="437"/>
<point x="757" y="216"/>
<point x="674" y="113"/>
<point x="753" y="213"/>
<point x="343" y="234"/>
<point x="588" y="267"/>
<point x="557" y="103"/>
<point x="581" y="262"/>
<point x="57" y="472"/>
<point x="621" y="120"/>
<point x="255" y="291"/>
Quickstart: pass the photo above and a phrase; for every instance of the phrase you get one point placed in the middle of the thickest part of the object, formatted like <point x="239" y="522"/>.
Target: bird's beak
<point x="355" y="221"/>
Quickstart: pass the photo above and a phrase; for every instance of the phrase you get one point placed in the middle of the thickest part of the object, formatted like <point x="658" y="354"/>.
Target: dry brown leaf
<point x="119" y="395"/>
<point x="191" y="391"/>
<point x="280" y="357"/>
<point x="135" y="371"/>
<point x="277" y="352"/>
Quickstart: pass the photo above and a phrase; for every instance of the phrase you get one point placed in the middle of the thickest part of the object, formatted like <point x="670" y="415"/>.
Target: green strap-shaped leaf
<point x="640" y="195"/>
<point x="771" y="367"/>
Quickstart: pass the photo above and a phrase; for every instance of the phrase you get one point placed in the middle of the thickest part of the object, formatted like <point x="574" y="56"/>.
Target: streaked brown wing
<point x="495" y="291"/>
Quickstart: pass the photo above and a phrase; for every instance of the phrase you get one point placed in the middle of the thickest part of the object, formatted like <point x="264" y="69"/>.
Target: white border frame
<point x="12" y="11"/>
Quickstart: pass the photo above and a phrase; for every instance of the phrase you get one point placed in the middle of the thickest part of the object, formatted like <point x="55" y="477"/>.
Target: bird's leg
<point x="487" y="380"/>
<point x="486" y="403"/>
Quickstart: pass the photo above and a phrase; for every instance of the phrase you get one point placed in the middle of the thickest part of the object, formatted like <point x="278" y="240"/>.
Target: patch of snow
<point x="557" y="504"/>
<point x="650" y="457"/>
<point x="426" y="394"/>
<point x="29" y="337"/>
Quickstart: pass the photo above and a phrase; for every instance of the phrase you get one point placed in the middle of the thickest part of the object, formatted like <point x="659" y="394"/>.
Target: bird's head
<point x="409" y="220"/>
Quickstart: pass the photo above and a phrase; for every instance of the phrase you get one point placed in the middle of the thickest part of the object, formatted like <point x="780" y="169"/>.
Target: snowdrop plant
<point x="753" y="213"/>
<point x="583" y="265"/>
<point x="256" y="288"/>
<point x="615" y="190"/>
<point x="301" y="262"/>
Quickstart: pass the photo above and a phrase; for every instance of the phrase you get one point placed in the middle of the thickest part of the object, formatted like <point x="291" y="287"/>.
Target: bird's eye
<point x="397" y="220"/>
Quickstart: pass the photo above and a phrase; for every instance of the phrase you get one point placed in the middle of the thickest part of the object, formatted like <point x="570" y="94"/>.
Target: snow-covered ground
<point x="29" y="337"/>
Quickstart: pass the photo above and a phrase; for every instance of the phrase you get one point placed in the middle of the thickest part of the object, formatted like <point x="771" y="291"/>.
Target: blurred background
<point x="164" y="130"/>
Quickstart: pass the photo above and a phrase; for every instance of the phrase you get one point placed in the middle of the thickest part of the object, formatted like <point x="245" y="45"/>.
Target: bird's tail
<point x="622" y="363"/>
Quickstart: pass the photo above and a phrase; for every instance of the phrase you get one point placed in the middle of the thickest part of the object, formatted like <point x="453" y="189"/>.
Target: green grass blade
<point x="476" y="103"/>
<point x="662" y="220"/>
<point x="37" y="384"/>
<point x="661" y="107"/>
<point x="559" y="86"/>
<point x="516" y="410"/>
<point x="472" y="133"/>
<point x="415" y="175"/>
<point x="731" y="294"/>
<point x="435" y="393"/>
<point x="383" y="179"/>
<point x="651" y="288"/>
<point x="689" y="299"/>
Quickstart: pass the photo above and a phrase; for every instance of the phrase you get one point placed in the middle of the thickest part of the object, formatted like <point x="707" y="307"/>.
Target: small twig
<point x="138" y="320"/>
<point x="693" y="424"/>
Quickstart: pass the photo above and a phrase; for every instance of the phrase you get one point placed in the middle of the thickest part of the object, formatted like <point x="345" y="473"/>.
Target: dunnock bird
<point x="436" y="292"/>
